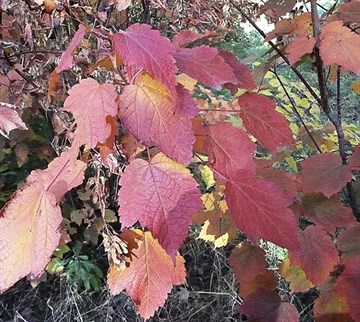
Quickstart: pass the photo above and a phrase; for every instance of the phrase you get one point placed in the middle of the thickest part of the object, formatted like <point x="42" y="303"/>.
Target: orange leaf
<point x="340" y="46"/>
<point x="295" y="276"/>
<point x="29" y="222"/>
<point x="150" y="275"/>
<point x="300" y="47"/>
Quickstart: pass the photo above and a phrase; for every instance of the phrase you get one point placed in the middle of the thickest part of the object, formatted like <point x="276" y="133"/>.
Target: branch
<point x="335" y="120"/>
<point x="297" y="112"/>
<point x="279" y="52"/>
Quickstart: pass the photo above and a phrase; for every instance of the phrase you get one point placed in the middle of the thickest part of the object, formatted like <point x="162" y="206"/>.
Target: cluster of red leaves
<point x="160" y="193"/>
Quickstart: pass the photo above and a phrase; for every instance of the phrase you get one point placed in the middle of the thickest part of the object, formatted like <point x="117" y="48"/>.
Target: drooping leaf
<point x="267" y="306"/>
<point x="299" y="26"/>
<point x="66" y="60"/>
<point x="348" y="285"/>
<point x="327" y="213"/>
<point x="9" y="120"/>
<point x="242" y="73"/>
<point x="162" y="195"/>
<point x="91" y="103"/>
<point x="296" y="276"/>
<point x="324" y="173"/>
<point x="30" y="221"/>
<point x="147" y="111"/>
<point x="144" y="48"/>
<point x="245" y="256"/>
<point x="264" y="122"/>
<point x="348" y="242"/>
<point x="187" y="37"/>
<point x="229" y="149"/>
<point x="150" y="275"/>
<point x="340" y="46"/>
<point x="321" y="254"/>
<point x="259" y="209"/>
<point x="205" y="65"/>
<point x="300" y="47"/>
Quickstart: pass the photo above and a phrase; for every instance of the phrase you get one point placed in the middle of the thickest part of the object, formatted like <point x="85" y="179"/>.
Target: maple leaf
<point x="144" y="48"/>
<point x="162" y="195"/>
<point x="321" y="256"/>
<point x="348" y="285"/>
<point x="327" y="213"/>
<point x="299" y="26"/>
<point x="242" y="73"/>
<point x="349" y="12"/>
<point x="205" y="65"/>
<point x="229" y="149"/>
<point x="282" y="179"/>
<point x="9" y="120"/>
<point x="246" y="255"/>
<point x="295" y="276"/>
<point x="187" y="37"/>
<point x="264" y="122"/>
<point x="324" y="173"/>
<point x="299" y="47"/>
<point x="150" y="275"/>
<point x="147" y="111"/>
<point x="91" y="103"/>
<point x="348" y="242"/>
<point x="66" y="60"/>
<point x="267" y="306"/>
<point x="29" y="222"/>
<point x="259" y="209"/>
<point x="340" y="46"/>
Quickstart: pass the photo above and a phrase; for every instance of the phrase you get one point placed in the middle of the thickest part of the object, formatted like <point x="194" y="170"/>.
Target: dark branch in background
<point x="334" y="119"/>
<point x="296" y="111"/>
<point x="279" y="52"/>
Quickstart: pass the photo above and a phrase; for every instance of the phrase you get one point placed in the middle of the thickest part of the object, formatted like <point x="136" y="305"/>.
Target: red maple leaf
<point x="148" y="112"/>
<point x="324" y="173"/>
<point x="144" y="48"/>
<point x="264" y="122"/>
<point x="205" y="65"/>
<point x="162" y="195"/>
<point x="259" y="209"/>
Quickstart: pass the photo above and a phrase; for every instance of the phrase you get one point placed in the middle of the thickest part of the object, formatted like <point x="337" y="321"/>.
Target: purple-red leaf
<point x="144" y="48"/>
<point x="259" y="209"/>
<point x="324" y="173"/>
<point x="162" y="195"/>
<point x="147" y="110"/>
<point x="66" y="60"/>
<point x="264" y="122"/>
<point x="205" y="65"/>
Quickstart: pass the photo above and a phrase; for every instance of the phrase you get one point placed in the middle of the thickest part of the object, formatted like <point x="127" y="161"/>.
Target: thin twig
<point x="279" y="52"/>
<point x="297" y="112"/>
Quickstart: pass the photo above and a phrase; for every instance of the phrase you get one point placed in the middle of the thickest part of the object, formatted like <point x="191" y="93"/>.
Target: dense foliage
<point x="139" y="122"/>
